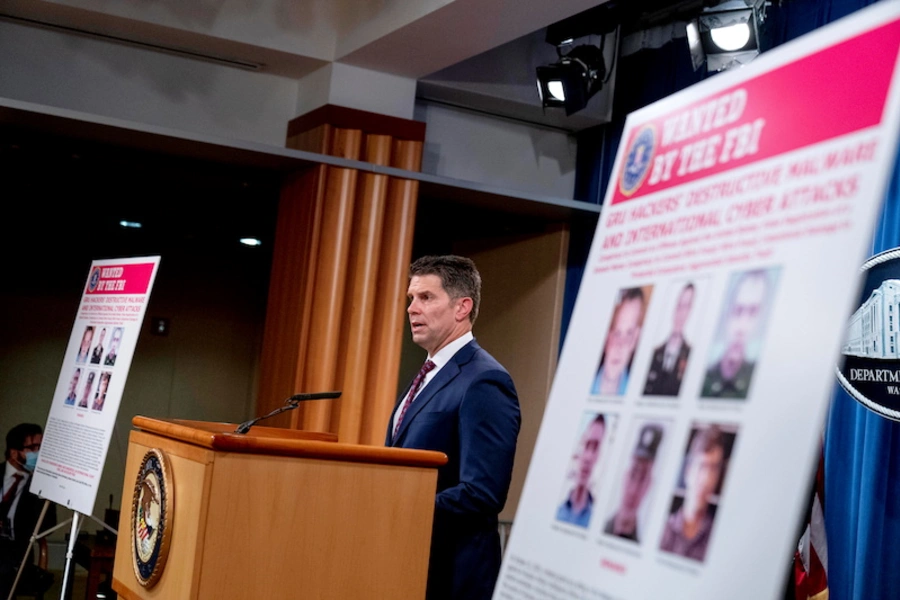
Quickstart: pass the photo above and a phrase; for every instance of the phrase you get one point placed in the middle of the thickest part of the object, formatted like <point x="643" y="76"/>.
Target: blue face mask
<point x="30" y="461"/>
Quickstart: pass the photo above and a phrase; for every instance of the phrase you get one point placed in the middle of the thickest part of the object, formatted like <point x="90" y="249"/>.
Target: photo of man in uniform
<point x="670" y="358"/>
<point x="689" y="526"/>
<point x="579" y="502"/>
<point x="638" y="478"/>
<point x="740" y="328"/>
<point x="98" y="349"/>
<point x="110" y="359"/>
<point x="622" y="338"/>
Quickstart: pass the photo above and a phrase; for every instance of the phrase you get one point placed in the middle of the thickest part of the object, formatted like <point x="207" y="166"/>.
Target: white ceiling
<point x="479" y="54"/>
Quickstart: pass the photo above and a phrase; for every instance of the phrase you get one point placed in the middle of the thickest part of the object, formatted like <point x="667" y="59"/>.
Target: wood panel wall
<point x="337" y="293"/>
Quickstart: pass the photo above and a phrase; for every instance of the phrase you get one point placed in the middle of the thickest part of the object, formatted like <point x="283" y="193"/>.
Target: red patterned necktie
<point x="413" y="390"/>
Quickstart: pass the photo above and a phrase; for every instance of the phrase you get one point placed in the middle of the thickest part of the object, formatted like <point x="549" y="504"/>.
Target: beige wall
<point x="204" y="369"/>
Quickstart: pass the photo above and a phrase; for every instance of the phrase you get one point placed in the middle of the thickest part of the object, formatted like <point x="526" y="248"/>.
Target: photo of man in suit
<point x="20" y="509"/>
<point x="463" y="403"/>
<point x="740" y="327"/>
<point x="670" y="359"/>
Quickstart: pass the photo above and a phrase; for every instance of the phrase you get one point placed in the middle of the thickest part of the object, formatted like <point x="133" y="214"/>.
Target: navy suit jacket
<point x="470" y="412"/>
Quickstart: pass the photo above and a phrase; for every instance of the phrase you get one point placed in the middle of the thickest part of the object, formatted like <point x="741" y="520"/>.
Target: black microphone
<point x="289" y="404"/>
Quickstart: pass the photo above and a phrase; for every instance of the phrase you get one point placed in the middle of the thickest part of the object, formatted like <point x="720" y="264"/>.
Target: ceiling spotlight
<point x="725" y="36"/>
<point x="731" y="37"/>
<point x="130" y="224"/>
<point x="570" y="82"/>
<point x="249" y="241"/>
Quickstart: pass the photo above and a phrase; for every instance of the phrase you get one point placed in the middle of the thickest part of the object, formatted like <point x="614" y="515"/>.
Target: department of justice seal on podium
<point x="151" y="518"/>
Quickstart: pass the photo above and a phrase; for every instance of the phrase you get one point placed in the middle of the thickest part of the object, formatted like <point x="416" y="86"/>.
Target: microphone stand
<point x="289" y="404"/>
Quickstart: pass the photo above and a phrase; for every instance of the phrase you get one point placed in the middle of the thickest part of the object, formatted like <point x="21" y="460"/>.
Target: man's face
<point x="623" y="336"/>
<point x="86" y="339"/>
<point x="104" y="383"/>
<point x="32" y="444"/>
<point x="434" y="318"/>
<point x="114" y="342"/>
<point x="102" y="335"/>
<point x="590" y="451"/>
<point x="683" y="310"/>
<point x="702" y="476"/>
<point x="88" y="384"/>
<point x="74" y="383"/>
<point x="637" y="481"/>
<point x="744" y="313"/>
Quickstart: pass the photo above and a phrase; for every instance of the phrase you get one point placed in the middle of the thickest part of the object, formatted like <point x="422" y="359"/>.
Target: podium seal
<point x="151" y="518"/>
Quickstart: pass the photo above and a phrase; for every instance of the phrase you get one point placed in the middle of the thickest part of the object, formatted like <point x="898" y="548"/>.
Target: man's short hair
<point x="15" y="438"/>
<point x="707" y="440"/>
<point x="599" y="419"/>
<point x="630" y="295"/>
<point x="458" y="274"/>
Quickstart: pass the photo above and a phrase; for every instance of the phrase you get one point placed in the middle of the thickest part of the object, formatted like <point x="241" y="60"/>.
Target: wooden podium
<point x="281" y="513"/>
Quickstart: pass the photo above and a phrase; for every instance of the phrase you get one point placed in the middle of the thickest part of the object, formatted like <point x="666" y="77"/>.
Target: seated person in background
<point x="20" y="510"/>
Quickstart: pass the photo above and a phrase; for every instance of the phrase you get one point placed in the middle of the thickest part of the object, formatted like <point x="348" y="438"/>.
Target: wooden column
<point x="343" y="243"/>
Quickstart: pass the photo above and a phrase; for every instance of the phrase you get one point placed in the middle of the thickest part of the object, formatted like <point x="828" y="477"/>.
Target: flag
<point x="811" y="558"/>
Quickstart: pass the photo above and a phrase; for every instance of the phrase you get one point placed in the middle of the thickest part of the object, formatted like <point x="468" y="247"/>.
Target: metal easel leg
<point x="34" y="537"/>
<point x="77" y="517"/>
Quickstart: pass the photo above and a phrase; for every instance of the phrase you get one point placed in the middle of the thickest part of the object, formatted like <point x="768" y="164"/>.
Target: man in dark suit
<point x="464" y="404"/>
<point x="19" y="508"/>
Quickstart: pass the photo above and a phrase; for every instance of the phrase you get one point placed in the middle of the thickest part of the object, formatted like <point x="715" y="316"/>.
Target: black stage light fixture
<point x="570" y="82"/>
<point x="725" y="37"/>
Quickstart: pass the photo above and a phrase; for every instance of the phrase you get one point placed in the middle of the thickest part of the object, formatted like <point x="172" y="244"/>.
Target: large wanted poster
<point x="682" y="426"/>
<point x="91" y="382"/>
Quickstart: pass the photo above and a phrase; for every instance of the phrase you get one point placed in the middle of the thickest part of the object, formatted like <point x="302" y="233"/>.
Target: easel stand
<point x="77" y="519"/>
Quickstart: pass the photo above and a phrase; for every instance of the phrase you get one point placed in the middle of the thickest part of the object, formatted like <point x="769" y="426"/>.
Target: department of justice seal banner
<point x="870" y="369"/>
<point x="151" y="518"/>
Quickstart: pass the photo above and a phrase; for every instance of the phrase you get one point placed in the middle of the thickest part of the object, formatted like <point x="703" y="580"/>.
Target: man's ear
<point x="463" y="308"/>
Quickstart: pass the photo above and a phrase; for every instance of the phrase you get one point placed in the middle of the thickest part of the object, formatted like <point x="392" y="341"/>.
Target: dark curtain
<point x="862" y="475"/>
<point x="862" y="449"/>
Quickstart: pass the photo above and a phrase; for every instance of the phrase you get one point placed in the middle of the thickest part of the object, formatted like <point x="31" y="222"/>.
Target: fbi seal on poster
<point x="870" y="369"/>
<point x="637" y="160"/>
<point x="151" y="518"/>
